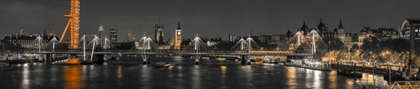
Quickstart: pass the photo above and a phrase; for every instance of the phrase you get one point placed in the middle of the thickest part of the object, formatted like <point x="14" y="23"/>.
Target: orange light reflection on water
<point x="170" y="68"/>
<point x="119" y="72"/>
<point x="73" y="61"/>
<point x="333" y="80"/>
<point x="350" y="83"/>
<point x="291" y="77"/>
<point x="72" y="77"/>
<point x="223" y="70"/>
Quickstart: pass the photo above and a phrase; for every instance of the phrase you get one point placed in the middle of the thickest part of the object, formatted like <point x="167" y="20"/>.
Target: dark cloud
<point x="212" y="18"/>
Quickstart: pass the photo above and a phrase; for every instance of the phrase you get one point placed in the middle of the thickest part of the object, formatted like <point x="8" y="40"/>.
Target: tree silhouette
<point x="334" y="43"/>
<point x="372" y="44"/>
<point x="398" y="45"/>
<point x="354" y="48"/>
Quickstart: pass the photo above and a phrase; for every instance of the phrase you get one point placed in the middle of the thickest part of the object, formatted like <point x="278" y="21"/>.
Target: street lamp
<point x="363" y="65"/>
<point x="329" y="47"/>
<point x="374" y="81"/>
<point x="389" y="73"/>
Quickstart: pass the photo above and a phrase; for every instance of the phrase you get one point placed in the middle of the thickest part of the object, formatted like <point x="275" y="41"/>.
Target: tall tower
<point x="304" y="29"/>
<point x="178" y="37"/>
<point x="321" y="28"/>
<point x="101" y="31"/>
<point x="45" y="33"/>
<point x="74" y="23"/>
<point x="159" y="33"/>
<point x="341" y="30"/>
<point x="113" y="35"/>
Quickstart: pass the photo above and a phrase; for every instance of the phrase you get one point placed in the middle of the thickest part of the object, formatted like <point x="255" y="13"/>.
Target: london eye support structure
<point x="73" y="22"/>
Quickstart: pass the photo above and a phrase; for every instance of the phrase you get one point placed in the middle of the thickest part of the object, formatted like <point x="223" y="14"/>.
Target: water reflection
<point x="170" y="68"/>
<point x="223" y="77"/>
<point x="179" y="77"/>
<point x="145" y="77"/>
<point x="52" y="75"/>
<point x="72" y="77"/>
<point x="182" y="76"/>
<point x="291" y="77"/>
<point x="369" y="79"/>
<point x="248" y="72"/>
<point x="333" y="79"/>
<point x="308" y="78"/>
<point x="317" y="82"/>
<point x="223" y="70"/>
<point x="350" y="83"/>
<point x="25" y="76"/>
<point x="119" y="72"/>
<point x="196" y="80"/>
<point x="85" y="72"/>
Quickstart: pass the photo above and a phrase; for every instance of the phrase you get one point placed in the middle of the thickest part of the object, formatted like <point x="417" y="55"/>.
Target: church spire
<point x="341" y="25"/>
<point x="179" y="26"/>
<point x="320" y="20"/>
<point x="304" y="26"/>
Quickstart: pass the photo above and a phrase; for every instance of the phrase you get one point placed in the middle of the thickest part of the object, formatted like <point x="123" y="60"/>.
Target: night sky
<point x="209" y="18"/>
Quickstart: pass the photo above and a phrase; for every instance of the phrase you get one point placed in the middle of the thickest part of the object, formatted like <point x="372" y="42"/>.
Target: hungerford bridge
<point x="245" y="48"/>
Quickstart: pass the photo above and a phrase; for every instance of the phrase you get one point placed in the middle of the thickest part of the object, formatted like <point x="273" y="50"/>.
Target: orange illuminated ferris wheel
<point x="74" y="20"/>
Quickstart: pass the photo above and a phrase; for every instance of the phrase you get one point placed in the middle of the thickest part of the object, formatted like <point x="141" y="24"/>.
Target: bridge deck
<point x="168" y="52"/>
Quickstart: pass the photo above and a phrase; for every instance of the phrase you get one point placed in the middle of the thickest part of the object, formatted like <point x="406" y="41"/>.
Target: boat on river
<point x="162" y="64"/>
<point x="349" y="73"/>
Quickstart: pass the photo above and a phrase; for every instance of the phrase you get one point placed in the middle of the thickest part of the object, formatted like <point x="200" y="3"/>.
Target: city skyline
<point x="219" y="18"/>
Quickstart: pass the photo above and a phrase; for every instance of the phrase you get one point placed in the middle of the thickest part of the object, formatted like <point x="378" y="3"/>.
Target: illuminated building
<point x="159" y="33"/>
<point x="321" y="28"/>
<point x="346" y="38"/>
<point x="178" y="37"/>
<point x="113" y="35"/>
<point x="101" y="31"/>
<point x="380" y="34"/>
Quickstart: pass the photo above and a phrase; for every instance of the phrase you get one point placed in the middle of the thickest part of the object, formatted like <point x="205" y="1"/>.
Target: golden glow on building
<point x="178" y="37"/>
<point x="72" y="77"/>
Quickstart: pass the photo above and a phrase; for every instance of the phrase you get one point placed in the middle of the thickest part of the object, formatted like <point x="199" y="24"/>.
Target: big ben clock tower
<point x="178" y="37"/>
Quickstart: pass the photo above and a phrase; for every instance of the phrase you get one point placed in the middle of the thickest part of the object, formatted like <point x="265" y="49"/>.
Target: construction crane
<point x="130" y="36"/>
<point x="74" y="20"/>
<point x="20" y="33"/>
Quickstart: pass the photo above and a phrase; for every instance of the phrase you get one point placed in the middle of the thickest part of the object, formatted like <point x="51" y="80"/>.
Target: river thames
<point x="210" y="74"/>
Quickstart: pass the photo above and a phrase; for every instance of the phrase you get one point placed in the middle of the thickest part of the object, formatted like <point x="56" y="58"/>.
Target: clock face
<point x="179" y="33"/>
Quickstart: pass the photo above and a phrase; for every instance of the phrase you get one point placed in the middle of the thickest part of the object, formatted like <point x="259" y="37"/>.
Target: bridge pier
<point x="197" y="59"/>
<point x="243" y="59"/>
<point x="99" y="58"/>
<point x="146" y="59"/>
<point x="53" y="57"/>
<point x="49" y="58"/>
<point x="197" y="63"/>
